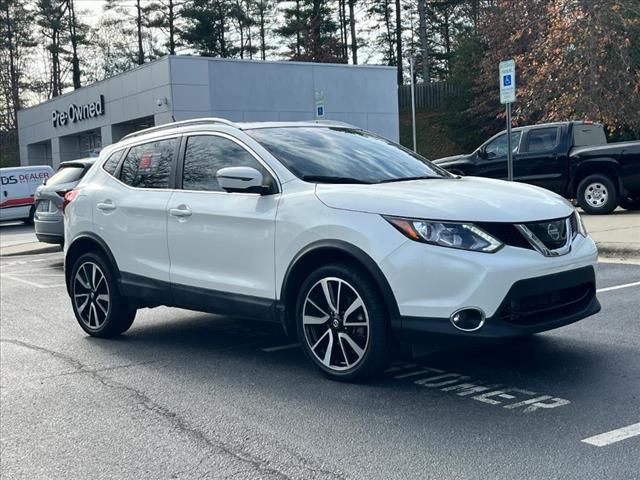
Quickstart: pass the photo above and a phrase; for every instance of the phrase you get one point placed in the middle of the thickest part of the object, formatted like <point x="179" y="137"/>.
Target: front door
<point x="493" y="163"/>
<point x="221" y="244"/>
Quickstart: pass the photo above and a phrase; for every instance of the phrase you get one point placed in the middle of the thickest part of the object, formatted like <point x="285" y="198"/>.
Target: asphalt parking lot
<point x="190" y="395"/>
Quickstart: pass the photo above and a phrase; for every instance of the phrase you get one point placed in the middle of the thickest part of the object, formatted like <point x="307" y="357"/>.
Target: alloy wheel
<point x="336" y="324"/>
<point x="91" y="295"/>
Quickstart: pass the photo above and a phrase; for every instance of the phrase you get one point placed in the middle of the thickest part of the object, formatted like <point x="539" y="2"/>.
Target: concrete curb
<point x="618" y="250"/>
<point x="32" y="248"/>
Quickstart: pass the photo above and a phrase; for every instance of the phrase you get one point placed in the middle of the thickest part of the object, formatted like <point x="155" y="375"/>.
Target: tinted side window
<point x="149" y="165"/>
<point x="542" y="139"/>
<point x="112" y="162"/>
<point x="207" y="154"/>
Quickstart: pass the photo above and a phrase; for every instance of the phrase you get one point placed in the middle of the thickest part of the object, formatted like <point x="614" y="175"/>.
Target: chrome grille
<point x="551" y="238"/>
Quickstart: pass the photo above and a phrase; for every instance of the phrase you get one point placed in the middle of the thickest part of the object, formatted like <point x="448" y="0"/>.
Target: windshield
<point x="342" y="155"/>
<point x="72" y="173"/>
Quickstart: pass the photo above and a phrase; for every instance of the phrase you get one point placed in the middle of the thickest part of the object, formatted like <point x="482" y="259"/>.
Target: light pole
<point x="413" y="104"/>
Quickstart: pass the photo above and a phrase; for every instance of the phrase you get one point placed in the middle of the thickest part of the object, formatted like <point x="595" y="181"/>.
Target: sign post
<point x="507" y="80"/>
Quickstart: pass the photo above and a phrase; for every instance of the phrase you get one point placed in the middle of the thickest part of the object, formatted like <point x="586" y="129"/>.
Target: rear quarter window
<point x="111" y="165"/>
<point x="585" y="135"/>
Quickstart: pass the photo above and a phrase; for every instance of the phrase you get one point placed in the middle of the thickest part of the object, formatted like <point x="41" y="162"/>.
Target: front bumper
<point x="532" y="305"/>
<point x="511" y="287"/>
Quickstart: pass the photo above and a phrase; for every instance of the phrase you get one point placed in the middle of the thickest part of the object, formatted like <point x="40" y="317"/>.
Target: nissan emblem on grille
<point x="553" y="231"/>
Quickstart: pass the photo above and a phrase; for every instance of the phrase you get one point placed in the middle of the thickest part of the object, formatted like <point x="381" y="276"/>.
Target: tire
<point x="32" y="213"/>
<point x="353" y="343"/>
<point x="630" y="203"/>
<point x="91" y="280"/>
<point x="598" y="194"/>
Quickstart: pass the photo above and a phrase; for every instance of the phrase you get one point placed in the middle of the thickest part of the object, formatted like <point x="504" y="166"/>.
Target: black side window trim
<point x="183" y="147"/>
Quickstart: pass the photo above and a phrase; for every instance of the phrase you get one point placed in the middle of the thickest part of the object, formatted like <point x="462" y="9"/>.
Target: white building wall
<point x="365" y="96"/>
<point x="178" y="88"/>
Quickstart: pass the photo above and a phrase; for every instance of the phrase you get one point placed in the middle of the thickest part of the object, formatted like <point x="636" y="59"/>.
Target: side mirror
<point x="482" y="153"/>
<point x="240" y="179"/>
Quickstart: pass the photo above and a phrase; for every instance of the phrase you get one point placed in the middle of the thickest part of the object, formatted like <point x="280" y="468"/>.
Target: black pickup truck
<point x="572" y="159"/>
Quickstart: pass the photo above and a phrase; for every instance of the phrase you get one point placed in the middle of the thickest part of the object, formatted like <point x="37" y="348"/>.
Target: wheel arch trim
<point x="101" y="244"/>
<point x="360" y="256"/>
<point x="596" y="166"/>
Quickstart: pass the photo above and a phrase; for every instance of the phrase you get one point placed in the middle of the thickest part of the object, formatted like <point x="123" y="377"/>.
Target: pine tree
<point x="164" y="15"/>
<point x="263" y="15"/>
<point x="310" y="26"/>
<point x="206" y="27"/>
<point x="51" y="17"/>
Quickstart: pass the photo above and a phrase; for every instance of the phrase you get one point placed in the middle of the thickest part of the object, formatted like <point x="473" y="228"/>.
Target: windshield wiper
<point x="330" y="179"/>
<point x="406" y="179"/>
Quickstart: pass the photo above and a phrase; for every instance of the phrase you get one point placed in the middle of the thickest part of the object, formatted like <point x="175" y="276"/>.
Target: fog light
<point x="468" y="319"/>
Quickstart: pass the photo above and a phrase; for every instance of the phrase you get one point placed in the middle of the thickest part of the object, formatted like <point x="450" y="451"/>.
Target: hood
<point x="457" y="199"/>
<point x="451" y="159"/>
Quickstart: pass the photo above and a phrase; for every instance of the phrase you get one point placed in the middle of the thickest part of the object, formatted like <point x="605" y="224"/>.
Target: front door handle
<point x="181" y="211"/>
<point x="105" y="206"/>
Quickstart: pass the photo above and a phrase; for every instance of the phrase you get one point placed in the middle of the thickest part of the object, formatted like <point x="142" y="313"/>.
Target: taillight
<point x="68" y="198"/>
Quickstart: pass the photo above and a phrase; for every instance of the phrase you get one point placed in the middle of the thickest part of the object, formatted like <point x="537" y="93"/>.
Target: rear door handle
<point x="181" y="211"/>
<point x="105" y="206"/>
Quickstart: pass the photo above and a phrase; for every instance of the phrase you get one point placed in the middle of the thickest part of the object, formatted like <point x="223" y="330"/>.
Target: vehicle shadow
<point x="201" y="345"/>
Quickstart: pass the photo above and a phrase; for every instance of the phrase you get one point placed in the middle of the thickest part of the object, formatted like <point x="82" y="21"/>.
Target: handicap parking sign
<point x="507" y="81"/>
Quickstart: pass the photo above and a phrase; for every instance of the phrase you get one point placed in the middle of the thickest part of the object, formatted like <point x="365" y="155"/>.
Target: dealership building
<point x="78" y="124"/>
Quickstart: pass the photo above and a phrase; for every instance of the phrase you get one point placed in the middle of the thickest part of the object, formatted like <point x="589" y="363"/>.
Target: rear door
<point x="221" y="244"/>
<point x="540" y="160"/>
<point x="130" y="212"/>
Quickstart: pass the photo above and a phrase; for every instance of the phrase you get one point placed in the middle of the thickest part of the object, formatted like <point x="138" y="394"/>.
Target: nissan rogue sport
<point x="345" y="238"/>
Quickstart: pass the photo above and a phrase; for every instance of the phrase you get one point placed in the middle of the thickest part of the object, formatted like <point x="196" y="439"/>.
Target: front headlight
<point x="464" y="236"/>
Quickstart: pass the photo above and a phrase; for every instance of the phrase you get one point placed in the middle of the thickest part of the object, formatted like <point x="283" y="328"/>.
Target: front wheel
<point x="342" y="322"/>
<point x="598" y="195"/>
<point x="97" y="304"/>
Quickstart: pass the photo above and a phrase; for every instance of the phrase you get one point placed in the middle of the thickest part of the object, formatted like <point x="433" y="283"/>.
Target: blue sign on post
<point x="506" y="80"/>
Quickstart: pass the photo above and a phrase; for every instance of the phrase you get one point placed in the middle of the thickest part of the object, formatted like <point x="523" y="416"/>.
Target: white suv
<point x="340" y="235"/>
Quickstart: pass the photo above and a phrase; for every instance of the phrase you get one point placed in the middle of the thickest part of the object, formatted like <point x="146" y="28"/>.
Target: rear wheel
<point x="32" y="213"/>
<point x="342" y="322"/>
<point x="630" y="202"/>
<point x="98" y="306"/>
<point x="598" y="195"/>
